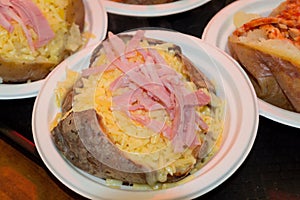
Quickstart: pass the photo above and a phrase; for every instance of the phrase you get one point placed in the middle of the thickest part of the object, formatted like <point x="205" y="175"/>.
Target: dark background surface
<point x="272" y="168"/>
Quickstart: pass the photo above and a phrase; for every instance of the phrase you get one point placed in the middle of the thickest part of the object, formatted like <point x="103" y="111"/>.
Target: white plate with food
<point x="95" y="27"/>
<point x="221" y="27"/>
<point x="173" y="7"/>
<point x="230" y="140"/>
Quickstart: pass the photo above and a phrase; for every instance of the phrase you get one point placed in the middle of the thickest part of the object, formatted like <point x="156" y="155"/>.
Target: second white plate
<point x="221" y="26"/>
<point x="95" y="23"/>
<point x="152" y="10"/>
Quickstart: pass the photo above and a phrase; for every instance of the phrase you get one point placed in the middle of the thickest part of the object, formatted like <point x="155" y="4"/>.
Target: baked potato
<point x="30" y="50"/>
<point x="131" y="116"/>
<point x="269" y="50"/>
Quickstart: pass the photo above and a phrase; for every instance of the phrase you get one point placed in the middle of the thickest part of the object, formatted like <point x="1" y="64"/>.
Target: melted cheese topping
<point x="96" y="94"/>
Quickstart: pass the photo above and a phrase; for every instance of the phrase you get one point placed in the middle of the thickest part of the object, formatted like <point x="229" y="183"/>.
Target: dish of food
<point x="238" y="132"/>
<point x="14" y="86"/>
<point x="152" y="10"/>
<point x="237" y="13"/>
<point x="147" y="105"/>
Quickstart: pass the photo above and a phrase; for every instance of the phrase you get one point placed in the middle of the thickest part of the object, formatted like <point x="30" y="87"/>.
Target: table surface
<point x="271" y="170"/>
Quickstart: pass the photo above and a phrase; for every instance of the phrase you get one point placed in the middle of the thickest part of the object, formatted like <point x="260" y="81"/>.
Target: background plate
<point x="152" y="10"/>
<point x="240" y="127"/>
<point x="95" y="23"/>
<point x="221" y="26"/>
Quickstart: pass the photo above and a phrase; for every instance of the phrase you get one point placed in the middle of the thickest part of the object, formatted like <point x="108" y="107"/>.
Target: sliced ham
<point x="151" y="70"/>
<point x="154" y="85"/>
<point x="93" y="70"/>
<point x="4" y="22"/>
<point x="117" y="44"/>
<point x="158" y="59"/>
<point x="26" y="13"/>
<point x="179" y="117"/>
<point x="120" y="82"/>
<point x="197" y="98"/>
<point x="12" y="15"/>
<point x="134" y="43"/>
<point x="155" y="90"/>
<point x="108" y="51"/>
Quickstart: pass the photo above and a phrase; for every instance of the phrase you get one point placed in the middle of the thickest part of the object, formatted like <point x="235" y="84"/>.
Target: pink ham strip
<point x="151" y="70"/>
<point x="157" y="57"/>
<point x="143" y="52"/>
<point x="185" y="116"/>
<point x="26" y="13"/>
<point x="185" y="135"/>
<point x="143" y="101"/>
<point x="116" y="61"/>
<point x="165" y="72"/>
<point x="9" y="13"/>
<point x="136" y="99"/>
<point x="203" y="99"/>
<point x="117" y="44"/>
<point x="133" y="100"/>
<point x="120" y="82"/>
<point x="93" y="70"/>
<point x="108" y="51"/>
<point x="4" y="22"/>
<point x="155" y="85"/>
<point x="36" y="20"/>
<point x="15" y="17"/>
<point x="110" y="54"/>
<point x="124" y="102"/>
<point x="197" y="98"/>
<point x="178" y="121"/>
<point x="142" y="119"/>
<point x="134" y="43"/>
<point x="142" y="81"/>
<point x="167" y="132"/>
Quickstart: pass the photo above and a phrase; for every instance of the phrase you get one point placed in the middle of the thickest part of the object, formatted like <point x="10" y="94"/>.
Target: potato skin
<point x="17" y="71"/>
<point x="68" y="141"/>
<point x="275" y="80"/>
<point x="75" y="13"/>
